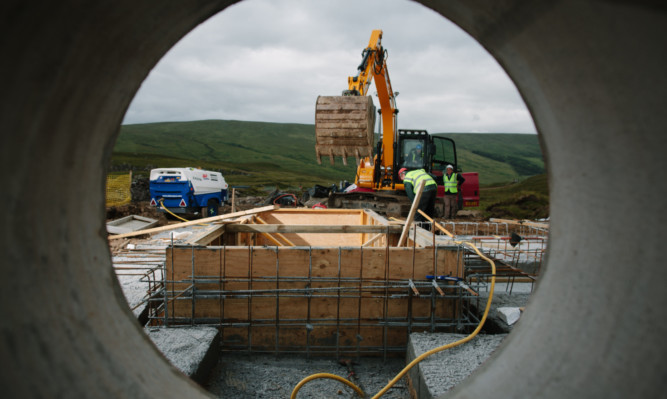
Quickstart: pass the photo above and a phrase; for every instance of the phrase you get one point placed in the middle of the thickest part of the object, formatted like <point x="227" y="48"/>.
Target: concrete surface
<point x="509" y="315"/>
<point x="192" y="350"/>
<point x="592" y="73"/>
<point x="440" y="372"/>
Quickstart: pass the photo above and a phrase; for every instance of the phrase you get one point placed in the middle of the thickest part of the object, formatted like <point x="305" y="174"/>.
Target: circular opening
<point x="225" y="69"/>
<point x="589" y="71"/>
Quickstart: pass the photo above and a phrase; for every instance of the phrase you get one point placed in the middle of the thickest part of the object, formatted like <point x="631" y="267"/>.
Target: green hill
<point x="269" y="155"/>
<point x="499" y="157"/>
<point x="248" y="153"/>
<point x="528" y="199"/>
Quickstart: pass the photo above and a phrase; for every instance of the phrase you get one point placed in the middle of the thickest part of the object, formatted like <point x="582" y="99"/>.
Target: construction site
<point x="592" y="76"/>
<point x="368" y="275"/>
<point x="342" y="286"/>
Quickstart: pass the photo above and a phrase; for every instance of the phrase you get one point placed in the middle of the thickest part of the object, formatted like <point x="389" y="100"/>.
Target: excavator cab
<point x="412" y="154"/>
<point x="414" y="149"/>
<point x="444" y="153"/>
<point x="419" y="150"/>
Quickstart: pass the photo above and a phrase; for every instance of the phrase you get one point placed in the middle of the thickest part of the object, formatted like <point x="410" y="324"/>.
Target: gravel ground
<point x="243" y="376"/>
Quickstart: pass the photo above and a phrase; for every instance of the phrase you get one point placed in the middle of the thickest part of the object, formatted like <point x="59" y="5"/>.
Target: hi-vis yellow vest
<point x="415" y="177"/>
<point x="451" y="183"/>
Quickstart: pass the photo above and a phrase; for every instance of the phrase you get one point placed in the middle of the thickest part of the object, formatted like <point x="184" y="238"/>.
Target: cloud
<point x="263" y="60"/>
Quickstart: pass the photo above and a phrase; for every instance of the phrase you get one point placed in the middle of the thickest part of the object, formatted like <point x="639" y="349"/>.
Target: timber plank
<point x="218" y="218"/>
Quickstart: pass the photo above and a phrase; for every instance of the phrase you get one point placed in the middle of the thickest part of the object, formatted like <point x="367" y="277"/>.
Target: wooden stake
<point x="233" y="200"/>
<point x="411" y="215"/>
<point x="437" y="287"/>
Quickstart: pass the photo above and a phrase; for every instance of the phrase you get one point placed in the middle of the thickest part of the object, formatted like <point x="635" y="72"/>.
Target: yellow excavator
<point x="344" y="126"/>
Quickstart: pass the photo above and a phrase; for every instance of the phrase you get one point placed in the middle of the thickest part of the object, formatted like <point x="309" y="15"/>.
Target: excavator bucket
<point x="344" y="127"/>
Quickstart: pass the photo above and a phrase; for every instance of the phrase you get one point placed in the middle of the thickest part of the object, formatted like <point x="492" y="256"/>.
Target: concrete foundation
<point x="192" y="350"/>
<point x="439" y="373"/>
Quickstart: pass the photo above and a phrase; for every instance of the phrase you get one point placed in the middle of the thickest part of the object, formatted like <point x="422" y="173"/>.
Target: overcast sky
<point x="268" y="60"/>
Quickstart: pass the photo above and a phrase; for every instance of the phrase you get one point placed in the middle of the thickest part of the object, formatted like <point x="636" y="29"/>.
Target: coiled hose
<point x="426" y="354"/>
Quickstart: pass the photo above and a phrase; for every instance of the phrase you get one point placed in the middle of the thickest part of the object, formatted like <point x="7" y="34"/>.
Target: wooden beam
<point x="207" y="236"/>
<point x="309" y="228"/>
<point x="372" y="240"/>
<point x="411" y="215"/>
<point x="219" y="218"/>
<point x="521" y="223"/>
<point x="306" y="211"/>
<point x="376" y="217"/>
<point x="290" y="243"/>
<point x="437" y="225"/>
<point x="272" y="239"/>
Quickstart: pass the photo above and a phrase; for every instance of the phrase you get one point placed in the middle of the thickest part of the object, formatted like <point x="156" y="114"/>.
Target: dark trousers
<point x="426" y="205"/>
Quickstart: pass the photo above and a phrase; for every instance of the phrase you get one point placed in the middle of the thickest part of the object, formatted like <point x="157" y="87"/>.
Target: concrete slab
<point x="509" y="315"/>
<point x="495" y="324"/>
<point x="440" y="372"/>
<point x="192" y="350"/>
<point x="130" y="223"/>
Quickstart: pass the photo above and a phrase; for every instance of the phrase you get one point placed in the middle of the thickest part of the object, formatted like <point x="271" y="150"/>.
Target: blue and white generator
<point x="188" y="190"/>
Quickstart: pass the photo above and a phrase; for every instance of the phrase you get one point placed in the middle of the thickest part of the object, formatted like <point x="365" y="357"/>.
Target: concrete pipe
<point x="591" y="72"/>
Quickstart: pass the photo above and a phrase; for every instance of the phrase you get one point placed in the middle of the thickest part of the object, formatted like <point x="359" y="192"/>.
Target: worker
<point x="411" y="180"/>
<point x="415" y="157"/>
<point x="453" y="183"/>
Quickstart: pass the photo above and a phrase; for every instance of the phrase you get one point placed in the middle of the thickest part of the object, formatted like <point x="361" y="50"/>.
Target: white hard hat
<point x="450" y="167"/>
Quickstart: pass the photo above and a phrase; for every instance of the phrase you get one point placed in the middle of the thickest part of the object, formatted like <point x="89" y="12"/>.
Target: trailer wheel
<point x="211" y="209"/>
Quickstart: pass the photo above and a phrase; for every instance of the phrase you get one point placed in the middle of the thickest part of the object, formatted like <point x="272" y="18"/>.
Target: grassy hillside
<point x="269" y="155"/>
<point x="247" y="153"/>
<point x="528" y="199"/>
<point x="497" y="157"/>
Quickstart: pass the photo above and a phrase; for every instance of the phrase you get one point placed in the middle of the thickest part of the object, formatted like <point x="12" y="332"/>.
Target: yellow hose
<point x="428" y="353"/>
<point x="326" y="375"/>
<point x="175" y="215"/>
<point x="453" y="344"/>
<point x="170" y="212"/>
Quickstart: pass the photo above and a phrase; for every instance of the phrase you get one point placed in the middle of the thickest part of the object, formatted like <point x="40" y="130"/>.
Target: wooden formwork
<point x="319" y="217"/>
<point x="316" y="299"/>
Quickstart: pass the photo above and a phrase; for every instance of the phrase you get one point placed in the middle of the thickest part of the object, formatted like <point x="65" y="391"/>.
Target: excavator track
<point x="344" y="127"/>
<point x="391" y="203"/>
